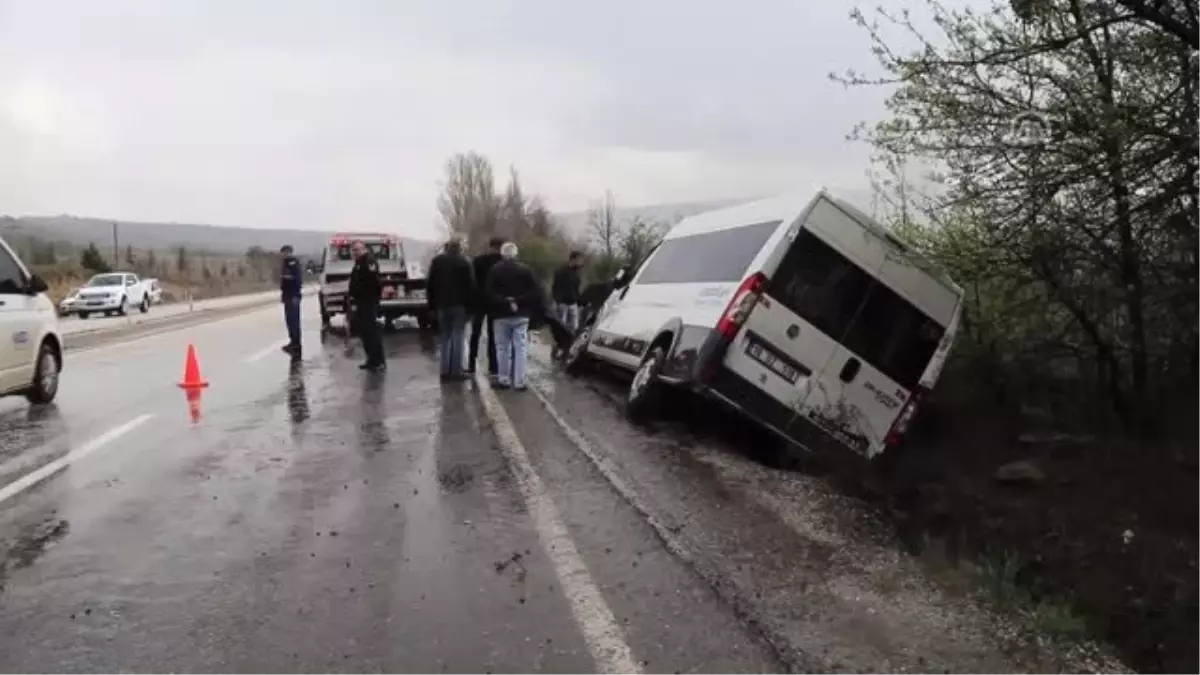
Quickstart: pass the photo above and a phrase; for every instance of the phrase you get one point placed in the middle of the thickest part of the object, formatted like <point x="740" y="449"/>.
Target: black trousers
<point x="477" y="322"/>
<point x="367" y="319"/>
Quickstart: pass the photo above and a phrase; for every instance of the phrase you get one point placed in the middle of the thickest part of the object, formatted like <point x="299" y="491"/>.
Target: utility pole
<point x="116" y="249"/>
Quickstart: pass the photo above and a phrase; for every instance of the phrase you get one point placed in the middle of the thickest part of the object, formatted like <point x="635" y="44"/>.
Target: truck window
<point x="717" y="256"/>
<point x="845" y="302"/>
<point x="344" y="252"/>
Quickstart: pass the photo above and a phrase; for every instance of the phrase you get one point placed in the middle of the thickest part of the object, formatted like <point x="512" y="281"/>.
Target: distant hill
<point x="163" y="236"/>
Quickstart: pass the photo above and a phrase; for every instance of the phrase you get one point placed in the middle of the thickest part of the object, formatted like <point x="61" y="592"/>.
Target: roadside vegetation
<point x="474" y="210"/>
<point x="182" y="272"/>
<point x="1045" y="154"/>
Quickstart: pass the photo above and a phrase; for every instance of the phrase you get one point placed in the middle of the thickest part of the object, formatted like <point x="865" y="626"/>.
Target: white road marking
<point x="274" y="348"/>
<point x="600" y="629"/>
<point x="34" y="477"/>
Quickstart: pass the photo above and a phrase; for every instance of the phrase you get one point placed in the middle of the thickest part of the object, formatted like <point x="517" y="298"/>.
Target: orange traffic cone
<point x="193" y="402"/>
<point x="191" y="371"/>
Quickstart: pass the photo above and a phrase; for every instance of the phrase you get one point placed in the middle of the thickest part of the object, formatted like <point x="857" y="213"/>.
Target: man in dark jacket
<point x="451" y="290"/>
<point x="480" y="311"/>
<point x="291" y="279"/>
<point x="513" y="296"/>
<point x="565" y="291"/>
<point x="365" y="290"/>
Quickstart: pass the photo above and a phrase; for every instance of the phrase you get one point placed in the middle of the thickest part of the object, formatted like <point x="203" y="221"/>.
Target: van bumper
<point x="751" y="402"/>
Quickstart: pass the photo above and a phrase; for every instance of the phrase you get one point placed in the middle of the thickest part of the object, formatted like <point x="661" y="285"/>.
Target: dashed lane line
<point x="34" y="477"/>
<point x="601" y="632"/>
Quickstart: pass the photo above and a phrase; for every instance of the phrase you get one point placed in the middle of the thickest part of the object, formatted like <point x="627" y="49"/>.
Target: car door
<point x="18" y="319"/>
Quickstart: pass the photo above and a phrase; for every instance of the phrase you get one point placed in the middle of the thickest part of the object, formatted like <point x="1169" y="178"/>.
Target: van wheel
<point x="145" y="306"/>
<point x="45" y="377"/>
<point x="575" y="360"/>
<point x="645" y="390"/>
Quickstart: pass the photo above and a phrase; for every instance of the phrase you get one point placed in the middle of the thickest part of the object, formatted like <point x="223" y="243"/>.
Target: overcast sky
<point x="323" y="115"/>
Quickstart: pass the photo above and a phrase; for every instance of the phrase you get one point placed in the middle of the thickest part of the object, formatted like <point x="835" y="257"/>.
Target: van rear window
<point x="848" y="304"/>
<point x="723" y="255"/>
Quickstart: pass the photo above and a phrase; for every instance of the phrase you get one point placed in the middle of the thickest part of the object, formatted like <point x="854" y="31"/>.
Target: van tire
<point x="45" y="376"/>
<point x="645" y="390"/>
<point x="575" y="360"/>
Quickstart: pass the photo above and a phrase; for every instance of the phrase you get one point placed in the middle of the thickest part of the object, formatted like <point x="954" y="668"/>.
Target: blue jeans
<point x="452" y="325"/>
<point x="291" y="317"/>
<point x="569" y="316"/>
<point x="510" y="350"/>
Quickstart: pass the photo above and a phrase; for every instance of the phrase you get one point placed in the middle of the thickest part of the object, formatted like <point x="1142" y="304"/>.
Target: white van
<point x="801" y="312"/>
<point x="30" y="345"/>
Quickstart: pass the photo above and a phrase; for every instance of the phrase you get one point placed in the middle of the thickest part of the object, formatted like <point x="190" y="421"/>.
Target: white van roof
<point x="790" y="207"/>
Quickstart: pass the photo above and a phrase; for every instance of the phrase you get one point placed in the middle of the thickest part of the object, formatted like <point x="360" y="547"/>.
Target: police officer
<point x="291" y="278"/>
<point x="365" y="290"/>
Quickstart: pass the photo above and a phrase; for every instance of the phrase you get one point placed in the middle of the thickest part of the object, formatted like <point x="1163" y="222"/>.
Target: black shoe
<point x="500" y="385"/>
<point x="366" y="366"/>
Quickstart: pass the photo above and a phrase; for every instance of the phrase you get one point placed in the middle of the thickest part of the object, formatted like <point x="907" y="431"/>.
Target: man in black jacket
<point x="365" y="289"/>
<point x="565" y="291"/>
<point x="480" y="311"/>
<point x="513" y="296"/>
<point x="291" y="280"/>
<point x="451" y="290"/>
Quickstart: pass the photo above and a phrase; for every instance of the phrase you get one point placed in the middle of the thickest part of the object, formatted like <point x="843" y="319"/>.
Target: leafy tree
<point x="93" y="261"/>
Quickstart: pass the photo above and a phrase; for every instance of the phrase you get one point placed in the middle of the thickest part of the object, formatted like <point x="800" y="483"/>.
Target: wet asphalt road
<point x="316" y="518"/>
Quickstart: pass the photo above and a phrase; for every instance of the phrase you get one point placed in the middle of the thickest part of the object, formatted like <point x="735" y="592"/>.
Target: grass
<point x="998" y="577"/>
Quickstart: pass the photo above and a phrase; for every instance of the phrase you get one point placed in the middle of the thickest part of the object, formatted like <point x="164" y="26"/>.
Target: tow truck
<point x="404" y="282"/>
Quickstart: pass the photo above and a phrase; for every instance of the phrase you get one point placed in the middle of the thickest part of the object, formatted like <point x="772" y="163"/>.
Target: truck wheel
<point x="124" y="308"/>
<point x="145" y="306"/>
<point x="83" y="315"/>
<point x="45" y="376"/>
<point x="645" y="390"/>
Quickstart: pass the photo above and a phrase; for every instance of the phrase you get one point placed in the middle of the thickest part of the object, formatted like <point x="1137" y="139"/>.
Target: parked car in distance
<point x="112" y="293"/>
<point x="154" y="288"/>
<point x="801" y="313"/>
<point x="31" y="354"/>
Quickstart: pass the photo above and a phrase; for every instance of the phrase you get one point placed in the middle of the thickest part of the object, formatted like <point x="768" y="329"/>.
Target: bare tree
<point x="602" y="220"/>
<point x="468" y="202"/>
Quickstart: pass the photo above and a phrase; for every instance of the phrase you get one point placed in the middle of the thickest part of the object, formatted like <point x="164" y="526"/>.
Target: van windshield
<point x="721" y="256"/>
<point x="848" y="304"/>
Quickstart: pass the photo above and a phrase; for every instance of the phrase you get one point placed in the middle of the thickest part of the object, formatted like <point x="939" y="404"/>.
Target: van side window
<point x="717" y="256"/>
<point x="843" y="301"/>
<point x="11" y="279"/>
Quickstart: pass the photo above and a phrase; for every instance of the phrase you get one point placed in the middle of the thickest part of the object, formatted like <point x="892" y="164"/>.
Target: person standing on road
<point x="513" y="294"/>
<point x="451" y="288"/>
<point x="483" y="264"/>
<point x="291" y="280"/>
<point x="365" y="290"/>
<point x="565" y="291"/>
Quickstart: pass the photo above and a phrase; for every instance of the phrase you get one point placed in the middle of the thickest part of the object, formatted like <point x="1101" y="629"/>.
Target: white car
<point x="30" y="345"/>
<point x="112" y="293"/>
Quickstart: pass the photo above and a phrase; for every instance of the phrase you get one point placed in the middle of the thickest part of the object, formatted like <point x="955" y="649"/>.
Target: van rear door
<point x="879" y="318"/>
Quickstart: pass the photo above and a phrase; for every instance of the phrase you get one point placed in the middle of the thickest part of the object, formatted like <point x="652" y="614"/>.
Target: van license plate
<point x="760" y="353"/>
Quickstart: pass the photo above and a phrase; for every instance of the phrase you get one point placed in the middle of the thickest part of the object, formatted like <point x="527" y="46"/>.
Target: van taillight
<point x="900" y="426"/>
<point x="743" y="303"/>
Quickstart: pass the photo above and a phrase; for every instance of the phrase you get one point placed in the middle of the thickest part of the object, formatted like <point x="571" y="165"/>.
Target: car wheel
<point x="575" y="360"/>
<point x="124" y="308"/>
<point x="644" y="390"/>
<point x="83" y="315"/>
<point x="145" y="306"/>
<point x="45" y="376"/>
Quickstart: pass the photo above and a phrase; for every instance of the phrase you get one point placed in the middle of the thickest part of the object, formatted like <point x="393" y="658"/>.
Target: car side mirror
<point x="37" y="285"/>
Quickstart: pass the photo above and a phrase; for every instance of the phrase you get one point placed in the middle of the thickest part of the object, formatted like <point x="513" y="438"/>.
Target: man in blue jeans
<point x="513" y="294"/>
<point x="450" y="287"/>
<point x="291" y="280"/>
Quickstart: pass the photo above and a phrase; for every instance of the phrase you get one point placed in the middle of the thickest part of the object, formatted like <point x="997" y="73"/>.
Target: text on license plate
<point x="758" y="352"/>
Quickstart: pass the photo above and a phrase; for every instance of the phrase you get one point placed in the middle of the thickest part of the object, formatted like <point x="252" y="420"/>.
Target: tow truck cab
<point x="403" y="281"/>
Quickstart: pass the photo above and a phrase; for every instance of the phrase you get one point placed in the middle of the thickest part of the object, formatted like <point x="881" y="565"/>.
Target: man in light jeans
<point x="513" y="294"/>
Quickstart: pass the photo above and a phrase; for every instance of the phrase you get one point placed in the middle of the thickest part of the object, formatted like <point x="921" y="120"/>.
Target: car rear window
<point x="717" y="256"/>
<point x="848" y="304"/>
